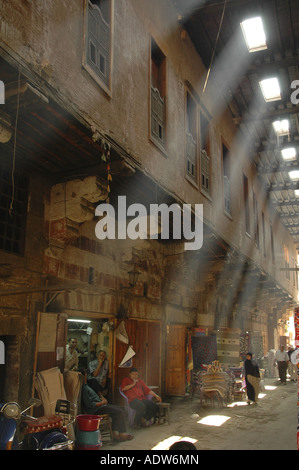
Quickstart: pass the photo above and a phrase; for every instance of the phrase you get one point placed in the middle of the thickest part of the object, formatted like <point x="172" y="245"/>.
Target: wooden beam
<point x="284" y="216"/>
<point x="189" y="8"/>
<point x="268" y="146"/>
<point x="267" y="115"/>
<point x="271" y="66"/>
<point x="279" y="169"/>
<point x="284" y="187"/>
<point x="286" y="203"/>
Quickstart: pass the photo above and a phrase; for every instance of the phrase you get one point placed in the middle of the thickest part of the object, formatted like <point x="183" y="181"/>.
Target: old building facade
<point x="106" y="99"/>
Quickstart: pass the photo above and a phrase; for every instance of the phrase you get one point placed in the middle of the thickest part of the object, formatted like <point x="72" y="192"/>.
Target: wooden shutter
<point x="157" y="116"/>
<point x="191" y="156"/>
<point x="98" y="43"/>
<point x="176" y="361"/>
<point x="205" y="171"/>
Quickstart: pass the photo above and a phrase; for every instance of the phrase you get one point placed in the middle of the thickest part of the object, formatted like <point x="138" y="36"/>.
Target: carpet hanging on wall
<point x="204" y="349"/>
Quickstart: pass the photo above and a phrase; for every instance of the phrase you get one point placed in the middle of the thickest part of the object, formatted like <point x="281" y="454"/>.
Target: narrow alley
<point x="270" y="425"/>
<point x="149" y="217"/>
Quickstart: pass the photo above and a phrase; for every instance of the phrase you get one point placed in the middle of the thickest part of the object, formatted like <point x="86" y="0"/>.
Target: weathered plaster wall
<point x="49" y="38"/>
<point x="18" y="313"/>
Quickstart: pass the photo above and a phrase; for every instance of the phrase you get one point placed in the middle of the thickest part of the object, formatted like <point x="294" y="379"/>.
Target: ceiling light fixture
<point x="270" y="89"/>
<point x="78" y="320"/>
<point x="254" y="34"/>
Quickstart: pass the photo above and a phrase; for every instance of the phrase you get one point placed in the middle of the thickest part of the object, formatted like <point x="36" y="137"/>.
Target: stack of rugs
<point x="215" y="380"/>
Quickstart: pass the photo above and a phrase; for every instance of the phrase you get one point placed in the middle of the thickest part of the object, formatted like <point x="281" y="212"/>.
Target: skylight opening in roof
<point x="270" y="89"/>
<point x="254" y="34"/>
<point x="289" y="153"/>
<point x="294" y="175"/>
<point x="281" y="127"/>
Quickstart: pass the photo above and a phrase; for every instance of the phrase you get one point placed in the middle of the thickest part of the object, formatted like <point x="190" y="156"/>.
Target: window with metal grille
<point x="226" y="180"/>
<point x="256" y="221"/>
<point x="264" y="234"/>
<point x="286" y="261"/>
<point x="98" y="39"/>
<point x="272" y="244"/>
<point x="158" y="92"/>
<point x="205" y="160"/>
<point x="13" y="209"/>
<point x="191" y="137"/>
<point x="205" y="171"/>
<point x="246" y="204"/>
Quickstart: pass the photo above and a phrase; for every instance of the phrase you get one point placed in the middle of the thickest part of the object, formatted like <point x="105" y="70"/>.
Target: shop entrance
<point x="92" y="335"/>
<point x="144" y="339"/>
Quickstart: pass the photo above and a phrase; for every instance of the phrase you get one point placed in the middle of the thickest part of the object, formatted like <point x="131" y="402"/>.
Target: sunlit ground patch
<point x="166" y="443"/>
<point x="214" y="420"/>
<point x="211" y="420"/>
<point x="237" y="403"/>
<point x="270" y="387"/>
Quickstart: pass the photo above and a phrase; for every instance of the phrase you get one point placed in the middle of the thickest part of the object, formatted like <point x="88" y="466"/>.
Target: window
<point x="264" y="234"/>
<point x="286" y="261"/>
<point x="191" y="137"/>
<point x="256" y="222"/>
<point x="97" y="58"/>
<point x="270" y="89"/>
<point x="246" y="204"/>
<point x="226" y="180"/>
<point x="289" y="153"/>
<point x="294" y="273"/>
<point x="158" y="95"/>
<point x="254" y="34"/>
<point x="281" y="128"/>
<point x="272" y="244"/>
<point x="13" y="210"/>
<point x="205" y="161"/>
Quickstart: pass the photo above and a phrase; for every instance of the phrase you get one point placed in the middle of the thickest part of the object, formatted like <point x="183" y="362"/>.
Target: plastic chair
<point x="131" y="413"/>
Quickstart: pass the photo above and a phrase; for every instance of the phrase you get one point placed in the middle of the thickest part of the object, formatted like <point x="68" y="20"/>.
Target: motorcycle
<point x="44" y="433"/>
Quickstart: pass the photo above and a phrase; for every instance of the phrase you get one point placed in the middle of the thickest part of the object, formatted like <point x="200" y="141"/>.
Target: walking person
<point x="252" y="378"/>
<point x="282" y="359"/>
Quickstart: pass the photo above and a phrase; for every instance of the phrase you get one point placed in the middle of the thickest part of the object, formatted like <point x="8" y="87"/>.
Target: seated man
<point x="136" y="392"/>
<point x="98" y="370"/>
<point x="96" y="404"/>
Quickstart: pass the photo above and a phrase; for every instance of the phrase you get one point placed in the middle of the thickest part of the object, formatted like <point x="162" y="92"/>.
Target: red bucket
<point x="85" y="447"/>
<point x="88" y="422"/>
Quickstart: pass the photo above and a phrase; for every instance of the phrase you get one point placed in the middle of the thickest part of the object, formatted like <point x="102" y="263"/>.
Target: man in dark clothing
<point x="95" y="404"/>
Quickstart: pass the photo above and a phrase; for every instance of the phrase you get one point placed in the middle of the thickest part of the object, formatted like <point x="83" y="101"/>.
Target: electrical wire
<point x="214" y="51"/>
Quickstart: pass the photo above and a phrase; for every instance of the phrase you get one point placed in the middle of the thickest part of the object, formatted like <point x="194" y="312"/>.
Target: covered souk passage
<point x="271" y="425"/>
